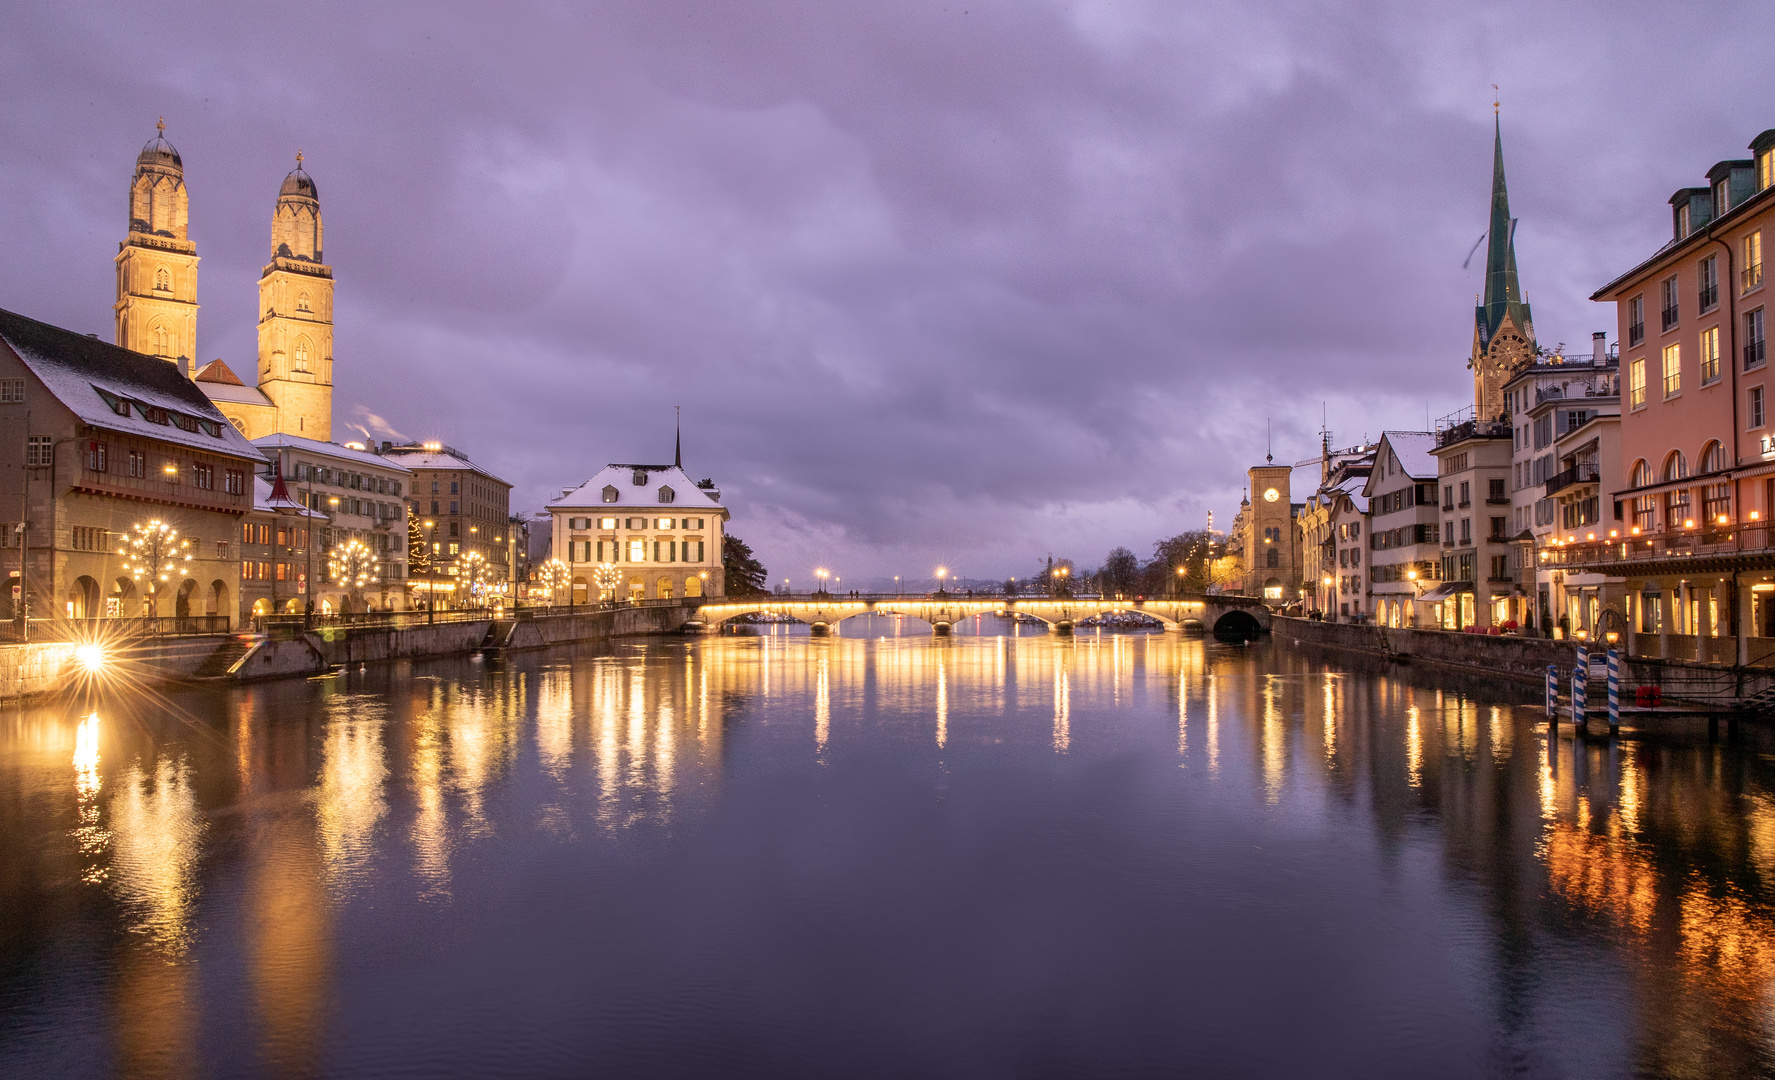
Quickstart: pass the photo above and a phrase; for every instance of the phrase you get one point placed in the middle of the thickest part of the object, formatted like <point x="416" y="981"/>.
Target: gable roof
<point x="632" y="496"/>
<point x="87" y="376"/>
<point x="1412" y="448"/>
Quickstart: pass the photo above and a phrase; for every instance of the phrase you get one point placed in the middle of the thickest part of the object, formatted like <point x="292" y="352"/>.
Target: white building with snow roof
<point x="650" y="529"/>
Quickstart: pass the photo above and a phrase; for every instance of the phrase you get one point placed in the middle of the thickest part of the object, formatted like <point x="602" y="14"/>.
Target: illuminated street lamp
<point x="942" y="572"/>
<point x="822" y="575"/>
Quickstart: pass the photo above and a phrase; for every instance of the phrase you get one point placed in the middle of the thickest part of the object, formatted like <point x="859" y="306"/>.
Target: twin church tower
<point x="157" y="300"/>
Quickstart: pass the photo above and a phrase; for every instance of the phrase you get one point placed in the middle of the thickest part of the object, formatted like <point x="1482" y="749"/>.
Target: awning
<point x="1446" y="590"/>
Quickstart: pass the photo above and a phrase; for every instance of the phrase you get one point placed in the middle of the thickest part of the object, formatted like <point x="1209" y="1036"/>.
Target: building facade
<point x="1697" y="444"/>
<point x="1274" y="567"/>
<point x="360" y="496"/>
<point x="1404" y="531"/>
<point x="464" y="513"/>
<point x="635" y="532"/>
<point x="107" y="443"/>
<point x="1473" y="472"/>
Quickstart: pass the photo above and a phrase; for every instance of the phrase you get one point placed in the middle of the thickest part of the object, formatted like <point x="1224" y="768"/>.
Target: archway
<point x="122" y="603"/>
<point x="1272" y="590"/>
<point x="1237" y="626"/>
<point x="579" y="590"/>
<point x="261" y="607"/>
<point x="326" y="607"/>
<point x="182" y="602"/>
<point x="693" y="586"/>
<point x="218" y="603"/>
<point x="83" y="599"/>
<point x="662" y="588"/>
<point x="637" y="589"/>
<point x="293" y="606"/>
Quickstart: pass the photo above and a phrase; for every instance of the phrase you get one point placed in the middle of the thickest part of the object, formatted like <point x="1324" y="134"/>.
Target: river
<point x="776" y="855"/>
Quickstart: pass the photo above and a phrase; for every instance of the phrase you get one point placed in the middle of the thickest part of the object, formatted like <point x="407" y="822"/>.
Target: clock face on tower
<point x="1271" y="495"/>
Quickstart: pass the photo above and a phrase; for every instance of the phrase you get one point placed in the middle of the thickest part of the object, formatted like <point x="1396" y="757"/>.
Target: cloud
<point x="934" y="283"/>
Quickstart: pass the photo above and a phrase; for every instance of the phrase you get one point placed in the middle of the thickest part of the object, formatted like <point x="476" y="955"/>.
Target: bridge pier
<point x="818" y="629"/>
<point x="942" y="629"/>
<point x="1063" y="628"/>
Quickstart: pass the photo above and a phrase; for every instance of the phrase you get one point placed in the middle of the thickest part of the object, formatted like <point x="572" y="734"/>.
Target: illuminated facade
<point x="653" y="532"/>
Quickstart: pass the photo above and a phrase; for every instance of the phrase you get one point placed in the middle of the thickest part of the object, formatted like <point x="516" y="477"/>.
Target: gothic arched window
<point x="301" y="354"/>
<point x="302" y="302"/>
<point x="163" y="281"/>
<point x="162" y="339"/>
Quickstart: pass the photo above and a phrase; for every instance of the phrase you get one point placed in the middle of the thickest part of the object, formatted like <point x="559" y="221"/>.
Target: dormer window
<point x="1682" y="221"/>
<point x="640" y="478"/>
<point x="666" y="495"/>
<point x="610" y="493"/>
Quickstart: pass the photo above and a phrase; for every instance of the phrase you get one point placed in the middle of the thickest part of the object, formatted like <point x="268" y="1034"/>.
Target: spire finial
<point x="678" y="438"/>
<point x="1496" y="104"/>
<point x="160" y="127"/>
<point x="1269" y="449"/>
<point x="298" y="157"/>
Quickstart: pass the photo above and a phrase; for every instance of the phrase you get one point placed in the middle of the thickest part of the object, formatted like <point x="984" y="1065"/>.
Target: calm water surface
<point x="781" y="856"/>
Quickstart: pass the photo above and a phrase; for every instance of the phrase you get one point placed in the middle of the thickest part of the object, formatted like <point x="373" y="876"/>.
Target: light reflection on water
<point x="1054" y="837"/>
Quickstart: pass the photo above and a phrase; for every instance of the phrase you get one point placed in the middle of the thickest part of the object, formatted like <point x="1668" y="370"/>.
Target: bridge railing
<point x="977" y="598"/>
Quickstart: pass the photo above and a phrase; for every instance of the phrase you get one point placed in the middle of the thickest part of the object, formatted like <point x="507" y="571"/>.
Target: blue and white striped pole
<point x="1581" y="687"/>
<point x="1553" y="693"/>
<point x="1614" y="692"/>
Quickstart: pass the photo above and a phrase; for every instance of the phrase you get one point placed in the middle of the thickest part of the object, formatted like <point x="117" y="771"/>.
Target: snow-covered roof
<point x="118" y="390"/>
<point x="1355" y="487"/>
<point x="235" y="393"/>
<point x="633" y="496"/>
<point x="333" y="450"/>
<point x="1412" y="448"/>
<point x="434" y="457"/>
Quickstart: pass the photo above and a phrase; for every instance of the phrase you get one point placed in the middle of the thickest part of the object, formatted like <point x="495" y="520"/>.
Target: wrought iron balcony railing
<point x="1581" y="473"/>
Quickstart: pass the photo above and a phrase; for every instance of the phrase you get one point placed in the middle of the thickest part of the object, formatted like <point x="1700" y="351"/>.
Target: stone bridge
<point x="1236" y="615"/>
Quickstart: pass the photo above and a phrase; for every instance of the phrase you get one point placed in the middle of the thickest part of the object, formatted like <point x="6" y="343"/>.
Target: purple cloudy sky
<point x="964" y="283"/>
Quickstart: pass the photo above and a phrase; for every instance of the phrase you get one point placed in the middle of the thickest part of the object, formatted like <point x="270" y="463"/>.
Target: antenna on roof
<point x="678" y="439"/>
<point x="1269" y="450"/>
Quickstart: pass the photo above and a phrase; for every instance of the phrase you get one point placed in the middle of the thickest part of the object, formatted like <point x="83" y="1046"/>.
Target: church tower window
<point x="162" y="340"/>
<point x="301" y="354"/>
<point x="302" y="302"/>
<point x="163" y="281"/>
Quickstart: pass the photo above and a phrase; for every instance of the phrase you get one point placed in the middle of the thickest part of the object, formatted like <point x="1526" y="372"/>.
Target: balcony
<point x="1753" y="354"/>
<point x="1636" y="333"/>
<point x="1669" y="314"/>
<point x="1582" y="473"/>
<point x="1721" y="549"/>
<point x="1750" y="277"/>
<point x="1497" y="500"/>
<point x="1708" y="297"/>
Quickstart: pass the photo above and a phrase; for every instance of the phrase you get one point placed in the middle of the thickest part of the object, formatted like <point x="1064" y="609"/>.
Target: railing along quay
<point x="113" y="629"/>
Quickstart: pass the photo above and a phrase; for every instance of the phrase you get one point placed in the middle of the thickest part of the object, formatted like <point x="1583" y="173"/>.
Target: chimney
<point x="386" y="447"/>
<point x="1599" y="345"/>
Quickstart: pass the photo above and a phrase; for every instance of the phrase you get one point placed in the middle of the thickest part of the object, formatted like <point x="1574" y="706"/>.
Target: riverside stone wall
<point x="1525" y="660"/>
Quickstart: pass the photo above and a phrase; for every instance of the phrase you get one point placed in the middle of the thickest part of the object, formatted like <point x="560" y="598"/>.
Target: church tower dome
<point x="296" y="314"/>
<point x="156" y="304"/>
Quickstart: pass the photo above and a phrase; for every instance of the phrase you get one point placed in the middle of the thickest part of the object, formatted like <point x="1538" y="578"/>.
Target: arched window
<point x="1713" y="458"/>
<point x="1676" y="502"/>
<point x="609" y="493"/>
<point x="302" y="302"/>
<point x="301" y="354"/>
<point x="162" y="339"/>
<point x="1645" y="507"/>
<point x="1716" y="499"/>
<point x="666" y="495"/>
<point x="163" y="281"/>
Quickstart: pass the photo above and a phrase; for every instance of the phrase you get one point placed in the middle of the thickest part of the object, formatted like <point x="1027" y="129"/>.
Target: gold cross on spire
<point x="298" y="159"/>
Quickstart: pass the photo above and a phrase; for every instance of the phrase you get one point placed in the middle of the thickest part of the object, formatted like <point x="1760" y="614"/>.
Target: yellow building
<point x="157" y="262"/>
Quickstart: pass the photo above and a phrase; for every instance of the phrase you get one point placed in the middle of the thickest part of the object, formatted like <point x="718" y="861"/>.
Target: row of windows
<point x="317" y="474"/>
<point x="610" y="494"/>
<point x="636" y="551"/>
<point x="583" y="523"/>
<point x="98" y="460"/>
<point x="1750" y="276"/>
<point x="1391" y="573"/>
<point x="1405" y="497"/>
<point x="1404" y="536"/>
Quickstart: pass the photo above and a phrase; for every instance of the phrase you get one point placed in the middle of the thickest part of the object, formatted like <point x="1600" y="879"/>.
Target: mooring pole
<point x="1581" y="690"/>
<point x="1553" y="695"/>
<point x="1614" y="693"/>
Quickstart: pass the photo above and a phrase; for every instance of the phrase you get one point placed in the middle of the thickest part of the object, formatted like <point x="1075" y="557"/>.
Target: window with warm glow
<point x="1636" y="384"/>
<point x="1673" y="370"/>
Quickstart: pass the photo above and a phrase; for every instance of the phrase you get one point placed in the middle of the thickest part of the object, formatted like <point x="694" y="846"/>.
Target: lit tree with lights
<point x="153" y="554"/>
<point x="418" y="550"/>
<point x="606" y="578"/>
<point x="353" y="565"/>
<point x="551" y="576"/>
<point x="472" y="574"/>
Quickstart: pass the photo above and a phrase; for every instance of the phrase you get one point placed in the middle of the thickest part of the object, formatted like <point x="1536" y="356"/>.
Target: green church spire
<point x="1503" y="291"/>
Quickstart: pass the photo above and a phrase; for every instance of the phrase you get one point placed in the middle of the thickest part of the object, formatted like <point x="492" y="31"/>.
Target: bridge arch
<point x="1238" y="624"/>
